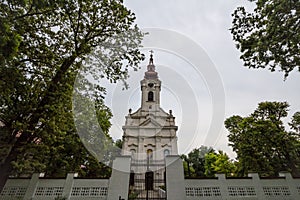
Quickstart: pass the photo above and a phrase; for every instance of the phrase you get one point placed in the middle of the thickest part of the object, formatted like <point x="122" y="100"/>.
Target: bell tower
<point x="151" y="87"/>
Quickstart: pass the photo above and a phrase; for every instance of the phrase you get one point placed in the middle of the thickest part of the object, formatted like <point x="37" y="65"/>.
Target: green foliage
<point x="269" y="36"/>
<point x="119" y="143"/>
<point x="43" y="45"/>
<point x="9" y="41"/>
<point x="194" y="162"/>
<point x="189" y="171"/>
<point x="218" y="163"/>
<point x="133" y="195"/>
<point x="295" y="122"/>
<point x="261" y="142"/>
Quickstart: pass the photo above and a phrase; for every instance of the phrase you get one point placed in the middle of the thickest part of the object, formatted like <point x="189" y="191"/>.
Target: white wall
<point x="253" y="187"/>
<point x="38" y="188"/>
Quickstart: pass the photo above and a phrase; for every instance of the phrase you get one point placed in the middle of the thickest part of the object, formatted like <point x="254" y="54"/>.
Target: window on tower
<point x="150" y="96"/>
<point x="151" y="85"/>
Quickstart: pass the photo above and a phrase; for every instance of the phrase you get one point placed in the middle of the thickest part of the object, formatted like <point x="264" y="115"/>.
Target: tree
<point x="218" y="163"/>
<point x="188" y="170"/>
<point x="43" y="45"/>
<point x="295" y="122"/>
<point x="261" y="142"/>
<point x="119" y="143"/>
<point x="194" y="162"/>
<point x="269" y="36"/>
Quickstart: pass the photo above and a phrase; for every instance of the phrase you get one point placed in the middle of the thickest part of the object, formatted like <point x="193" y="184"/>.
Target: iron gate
<point x="147" y="180"/>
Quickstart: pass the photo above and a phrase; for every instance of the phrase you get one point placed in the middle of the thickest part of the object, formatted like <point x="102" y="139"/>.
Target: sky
<point x="203" y="80"/>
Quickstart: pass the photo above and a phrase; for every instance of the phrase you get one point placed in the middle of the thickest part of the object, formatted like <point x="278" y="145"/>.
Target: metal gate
<point x="147" y="180"/>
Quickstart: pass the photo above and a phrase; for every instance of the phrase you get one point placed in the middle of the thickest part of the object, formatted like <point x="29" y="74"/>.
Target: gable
<point x="151" y="123"/>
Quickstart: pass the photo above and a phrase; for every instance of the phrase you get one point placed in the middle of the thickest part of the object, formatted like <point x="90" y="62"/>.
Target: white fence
<point x="252" y="188"/>
<point x="38" y="188"/>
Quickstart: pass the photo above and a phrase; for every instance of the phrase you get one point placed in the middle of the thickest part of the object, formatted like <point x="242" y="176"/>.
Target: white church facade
<point x="149" y="167"/>
<point x="150" y="131"/>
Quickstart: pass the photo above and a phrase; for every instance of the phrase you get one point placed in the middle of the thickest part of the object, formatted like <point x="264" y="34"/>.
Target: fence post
<point x="68" y="185"/>
<point x="292" y="184"/>
<point x="257" y="185"/>
<point x="32" y="186"/>
<point x="223" y="185"/>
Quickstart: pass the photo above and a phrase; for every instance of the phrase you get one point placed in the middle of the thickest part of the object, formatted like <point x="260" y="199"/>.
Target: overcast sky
<point x="191" y="94"/>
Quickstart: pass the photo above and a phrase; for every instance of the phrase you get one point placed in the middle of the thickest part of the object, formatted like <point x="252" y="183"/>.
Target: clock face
<point x="151" y="85"/>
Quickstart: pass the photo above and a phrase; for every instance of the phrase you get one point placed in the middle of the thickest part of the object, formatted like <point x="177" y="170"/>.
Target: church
<point x="150" y="132"/>
<point x="149" y="136"/>
<point x="149" y="167"/>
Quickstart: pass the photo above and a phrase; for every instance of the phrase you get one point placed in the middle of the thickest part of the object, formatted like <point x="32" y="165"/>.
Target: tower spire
<point x="151" y="73"/>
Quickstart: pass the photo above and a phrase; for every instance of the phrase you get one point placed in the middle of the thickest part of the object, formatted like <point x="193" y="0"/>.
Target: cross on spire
<point x="151" y="57"/>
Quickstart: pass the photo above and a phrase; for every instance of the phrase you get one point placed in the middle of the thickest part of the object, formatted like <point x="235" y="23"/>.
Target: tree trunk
<point x="46" y="99"/>
<point x="6" y="167"/>
<point x="189" y="170"/>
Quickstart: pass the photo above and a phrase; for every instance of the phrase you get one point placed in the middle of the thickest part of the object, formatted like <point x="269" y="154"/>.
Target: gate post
<point x="175" y="178"/>
<point x="119" y="180"/>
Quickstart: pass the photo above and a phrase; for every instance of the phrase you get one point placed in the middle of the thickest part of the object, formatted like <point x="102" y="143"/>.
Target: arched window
<point x="150" y="96"/>
<point x="132" y="152"/>
<point x="150" y="154"/>
<point x="166" y="152"/>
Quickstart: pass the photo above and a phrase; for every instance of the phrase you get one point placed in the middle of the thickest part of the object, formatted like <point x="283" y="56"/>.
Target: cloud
<point x="207" y="23"/>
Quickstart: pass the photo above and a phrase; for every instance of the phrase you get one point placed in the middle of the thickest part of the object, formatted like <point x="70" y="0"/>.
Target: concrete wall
<point x="252" y="188"/>
<point x="72" y="188"/>
<point x="38" y="188"/>
<point x="15" y="188"/>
